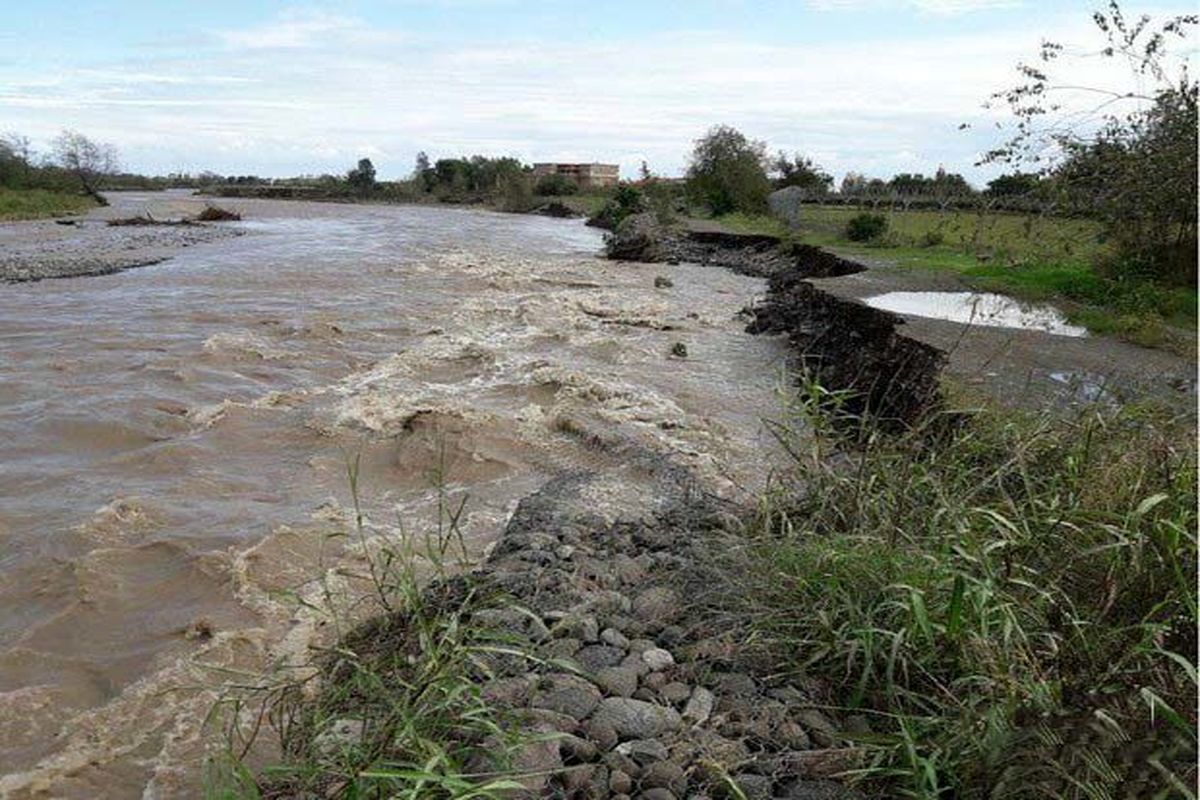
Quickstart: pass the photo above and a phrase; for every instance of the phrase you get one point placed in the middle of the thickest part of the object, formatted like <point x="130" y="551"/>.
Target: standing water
<point x="174" y="443"/>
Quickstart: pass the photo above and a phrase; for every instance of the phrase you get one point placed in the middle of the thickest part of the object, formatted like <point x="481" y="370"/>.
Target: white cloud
<point x="875" y="106"/>
<point x="935" y="7"/>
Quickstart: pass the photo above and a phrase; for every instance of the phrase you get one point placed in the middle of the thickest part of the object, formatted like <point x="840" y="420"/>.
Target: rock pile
<point x="634" y="698"/>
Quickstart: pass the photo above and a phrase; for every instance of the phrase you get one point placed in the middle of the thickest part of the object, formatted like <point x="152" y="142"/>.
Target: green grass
<point x="1048" y="259"/>
<point x="394" y="706"/>
<point x="39" y="203"/>
<point x="1009" y="599"/>
<point x="588" y="203"/>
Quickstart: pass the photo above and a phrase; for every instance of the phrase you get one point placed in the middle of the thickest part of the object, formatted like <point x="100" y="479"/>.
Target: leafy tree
<point x="1128" y="159"/>
<point x="1016" y="184"/>
<point x="728" y="173"/>
<point x="801" y="171"/>
<point x="362" y="177"/>
<point x="423" y="172"/>
<point x="86" y="160"/>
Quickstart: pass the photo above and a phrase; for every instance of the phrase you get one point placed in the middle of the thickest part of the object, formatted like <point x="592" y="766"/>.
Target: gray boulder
<point x="636" y="719"/>
<point x="636" y="238"/>
<point x="786" y="203"/>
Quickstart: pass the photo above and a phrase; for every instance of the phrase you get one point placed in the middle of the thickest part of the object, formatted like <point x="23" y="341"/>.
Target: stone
<point x="654" y="680"/>
<point x="636" y="719"/>
<point x="665" y="775"/>
<point x="728" y="753"/>
<point x="341" y="735"/>
<point x="793" y="736"/>
<point x="642" y="645"/>
<point x="605" y="736"/>
<point x="561" y="648"/>
<point x="614" y="637"/>
<point x="819" y="790"/>
<point x="513" y="622"/>
<point x="617" y="681"/>
<point x="699" y="706"/>
<point x="577" y="778"/>
<point x="675" y="692"/>
<point x="576" y="750"/>
<point x="737" y="684"/>
<point x="679" y="350"/>
<point x="507" y="692"/>
<point x="663" y="282"/>
<point x="658" y="659"/>
<point x="634" y="662"/>
<point x="786" y="204"/>
<point x="597" y="656"/>
<point x="657" y="794"/>
<point x="537" y="760"/>
<point x="657" y="605"/>
<point x="622" y="762"/>
<point x="549" y="720"/>
<point x="566" y="694"/>
<point x="638" y="237"/>
<point x="644" y="751"/>
<point x="754" y="787"/>
<point x="619" y="782"/>
<point x="628" y="569"/>
<point x="671" y="634"/>
<point x="583" y="628"/>
<point x="819" y="726"/>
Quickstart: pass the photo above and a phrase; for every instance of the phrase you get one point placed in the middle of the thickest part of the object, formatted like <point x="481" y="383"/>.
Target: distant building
<point x="583" y="174"/>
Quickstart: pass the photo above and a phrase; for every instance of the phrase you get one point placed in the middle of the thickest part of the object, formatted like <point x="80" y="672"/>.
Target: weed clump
<point x="1011" y="598"/>
<point x="866" y="227"/>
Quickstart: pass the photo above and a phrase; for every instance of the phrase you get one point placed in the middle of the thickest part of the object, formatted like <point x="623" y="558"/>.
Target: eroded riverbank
<point x="176" y="441"/>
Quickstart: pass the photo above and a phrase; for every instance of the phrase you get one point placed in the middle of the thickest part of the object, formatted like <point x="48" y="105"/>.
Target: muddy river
<point x="175" y="441"/>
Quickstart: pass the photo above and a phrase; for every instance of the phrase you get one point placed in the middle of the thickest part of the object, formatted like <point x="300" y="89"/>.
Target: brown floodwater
<point x="174" y="443"/>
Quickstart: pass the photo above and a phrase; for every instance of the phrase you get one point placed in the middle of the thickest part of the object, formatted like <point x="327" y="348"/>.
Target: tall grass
<point x="393" y="707"/>
<point x="38" y="203"/>
<point x="1011" y="599"/>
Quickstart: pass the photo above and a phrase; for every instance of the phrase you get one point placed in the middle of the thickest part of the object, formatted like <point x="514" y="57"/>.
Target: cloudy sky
<point x="278" y="88"/>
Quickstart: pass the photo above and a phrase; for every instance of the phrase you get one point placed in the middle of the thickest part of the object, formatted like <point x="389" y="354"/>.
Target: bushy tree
<point x="1016" y="184"/>
<point x="362" y="177"/>
<point x="86" y="160"/>
<point x="728" y="172"/>
<point x="1130" y="160"/>
<point x="801" y="171"/>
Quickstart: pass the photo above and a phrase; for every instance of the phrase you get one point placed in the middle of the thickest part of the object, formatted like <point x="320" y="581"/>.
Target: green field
<point x="1034" y="258"/>
<point x="40" y="203"/>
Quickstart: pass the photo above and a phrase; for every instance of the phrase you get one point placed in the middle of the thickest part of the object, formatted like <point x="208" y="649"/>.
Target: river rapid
<point x="175" y="441"/>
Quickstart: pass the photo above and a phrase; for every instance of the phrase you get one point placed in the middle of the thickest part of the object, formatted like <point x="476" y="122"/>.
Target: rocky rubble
<point x="95" y="248"/>
<point x="631" y="697"/>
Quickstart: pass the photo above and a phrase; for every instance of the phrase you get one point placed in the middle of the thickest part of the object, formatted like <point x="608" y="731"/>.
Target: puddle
<point x="971" y="308"/>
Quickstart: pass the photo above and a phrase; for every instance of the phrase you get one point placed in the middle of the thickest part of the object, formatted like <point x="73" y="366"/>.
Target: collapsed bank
<point x="595" y="657"/>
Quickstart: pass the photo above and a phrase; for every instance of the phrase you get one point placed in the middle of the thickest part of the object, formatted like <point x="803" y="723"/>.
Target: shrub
<point x="866" y="227"/>
<point x="933" y="239"/>
<point x="625" y="202"/>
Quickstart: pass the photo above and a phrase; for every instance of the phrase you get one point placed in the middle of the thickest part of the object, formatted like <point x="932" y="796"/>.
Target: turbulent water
<point x="174" y="443"/>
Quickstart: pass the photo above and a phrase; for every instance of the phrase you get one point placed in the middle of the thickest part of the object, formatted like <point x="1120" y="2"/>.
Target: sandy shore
<point x="40" y="249"/>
